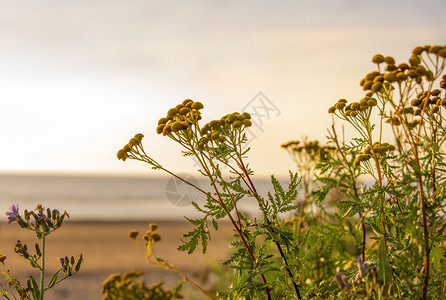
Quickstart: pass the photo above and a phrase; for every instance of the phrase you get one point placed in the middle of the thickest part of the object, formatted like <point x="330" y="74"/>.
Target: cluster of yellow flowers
<point x="352" y="109"/>
<point x="312" y="149"/>
<point x="123" y="153"/>
<point x="374" y="81"/>
<point x="426" y="98"/>
<point x="150" y="234"/>
<point x="180" y="117"/>
<point x="216" y="130"/>
<point x="376" y="148"/>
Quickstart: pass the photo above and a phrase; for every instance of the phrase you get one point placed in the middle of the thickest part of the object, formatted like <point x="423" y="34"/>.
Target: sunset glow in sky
<point x="79" y="78"/>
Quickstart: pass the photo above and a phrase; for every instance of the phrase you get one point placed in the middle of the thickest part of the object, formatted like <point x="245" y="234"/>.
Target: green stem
<point x="42" y="272"/>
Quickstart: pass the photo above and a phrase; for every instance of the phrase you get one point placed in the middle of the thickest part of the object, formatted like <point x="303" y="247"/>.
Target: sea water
<point x="112" y="198"/>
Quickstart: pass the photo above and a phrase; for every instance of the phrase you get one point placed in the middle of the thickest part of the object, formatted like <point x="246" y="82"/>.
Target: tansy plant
<point x="266" y="258"/>
<point x="43" y="222"/>
<point x="379" y="230"/>
<point x="398" y="153"/>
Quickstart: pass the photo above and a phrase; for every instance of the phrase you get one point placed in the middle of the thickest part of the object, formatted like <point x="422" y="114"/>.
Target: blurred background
<point x="79" y="78"/>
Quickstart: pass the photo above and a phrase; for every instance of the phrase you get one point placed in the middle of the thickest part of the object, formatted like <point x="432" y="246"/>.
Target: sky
<point x="79" y="78"/>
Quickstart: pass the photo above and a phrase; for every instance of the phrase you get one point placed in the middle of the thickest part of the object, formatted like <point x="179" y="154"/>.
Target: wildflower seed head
<point x="340" y="105"/>
<point x="237" y="124"/>
<point x="435" y="109"/>
<point x="435" y="49"/>
<point x="246" y="115"/>
<point x="390" y="77"/>
<point x="391" y="68"/>
<point x="378" y="58"/>
<point x="167" y="129"/>
<point x="176" y="126"/>
<point x="376" y="87"/>
<point x="442" y="52"/>
<point x="412" y="73"/>
<point x="389" y="60"/>
<point x="372" y="102"/>
<point x="367" y="85"/>
<point x="331" y="110"/>
<point x="186" y="101"/>
<point x="197" y="105"/>
<point x="133" y="234"/>
<point x="414" y="60"/>
<point x="184" y="111"/>
<point x="247" y="123"/>
<point x="172" y="112"/>
<point x="163" y="121"/>
<point x="417" y="50"/>
<point x="156" y="237"/>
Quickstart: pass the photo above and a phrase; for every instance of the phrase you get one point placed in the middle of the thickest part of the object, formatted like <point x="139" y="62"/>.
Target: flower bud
<point x="133" y="234"/>
<point x="247" y="123"/>
<point x="79" y="262"/>
<point x="176" y="126"/>
<point x="162" y="121"/>
<point x="435" y="49"/>
<point x="417" y="50"/>
<point x="197" y="105"/>
<point x="435" y="109"/>
<point x="331" y="110"/>
<point x="246" y="115"/>
<point x="401" y="76"/>
<point x="184" y="111"/>
<point x="340" y="105"/>
<point x="378" y="58"/>
<point x="376" y="87"/>
<point x="172" y="112"/>
<point x="442" y="53"/>
<point x="390" y="77"/>
<point x="389" y="60"/>
<point x="372" y="102"/>
<point x="156" y="237"/>
<point x="160" y="128"/>
<point x="167" y="129"/>
<point x="367" y="85"/>
<point x="414" y="60"/>
<point x="186" y="101"/>
<point x="412" y="73"/>
<point x="238" y="124"/>
<point x="415" y="102"/>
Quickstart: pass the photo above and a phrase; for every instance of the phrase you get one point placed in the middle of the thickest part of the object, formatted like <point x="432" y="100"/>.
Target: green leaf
<point x="53" y="279"/>
<point x="384" y="271"/>
<point x="35" y="289"/>
<point x="34" y="264"/>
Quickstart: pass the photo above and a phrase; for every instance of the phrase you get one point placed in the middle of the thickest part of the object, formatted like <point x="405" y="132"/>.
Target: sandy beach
<point x="106" y="250"/>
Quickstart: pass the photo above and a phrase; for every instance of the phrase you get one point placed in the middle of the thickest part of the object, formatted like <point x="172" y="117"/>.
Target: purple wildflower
<point x="363" y="267"/>
<point x="41" y="216"/>
<point x="13" y="213"/>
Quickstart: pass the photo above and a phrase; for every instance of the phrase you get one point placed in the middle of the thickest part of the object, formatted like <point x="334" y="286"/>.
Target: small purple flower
<point x="41" y="216"/>
<point x="363" y="267"/>
<point x="13" y="213"/>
